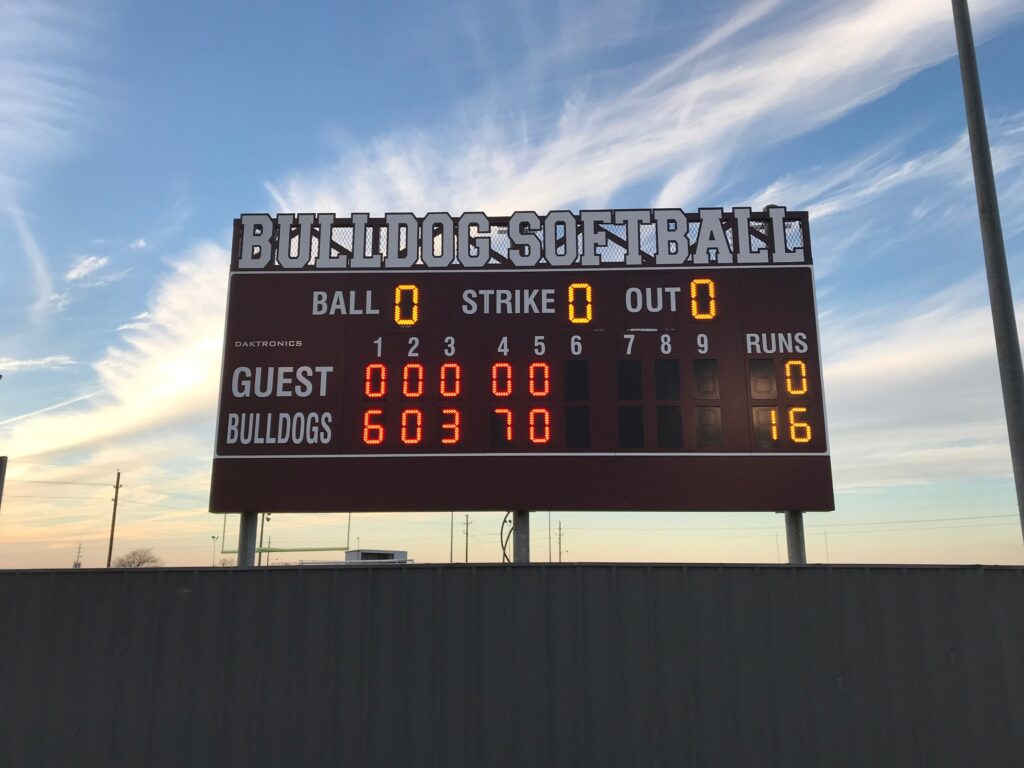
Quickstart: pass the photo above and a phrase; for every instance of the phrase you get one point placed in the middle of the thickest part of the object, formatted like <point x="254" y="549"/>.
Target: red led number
<point x="451" y="429"/>
<point x="540" y="426"/>
<point x="373" y="434"/>
<point x="412" y="426"/>
<point x="412" y="380"/>
<point x="501" y="380"/>
<point x="376" y="380"/>
<point x="508" y="421"/>
<point x="540" y="379"/>
<point x="451" y="380"/>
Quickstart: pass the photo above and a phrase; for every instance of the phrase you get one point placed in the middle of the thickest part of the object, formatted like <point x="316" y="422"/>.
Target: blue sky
<point x="132" y="134"/>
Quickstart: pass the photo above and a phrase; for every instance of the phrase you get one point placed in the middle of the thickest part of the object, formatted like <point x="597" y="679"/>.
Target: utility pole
<point x="467" y="524"/>
<point x="549" y="535"/>
<point x="113" y="517"/>
<point x="1004" y="324"/>
<point x="263" y="519"/>
<point x="559" y="541"/>
<point x="451" y="539"/>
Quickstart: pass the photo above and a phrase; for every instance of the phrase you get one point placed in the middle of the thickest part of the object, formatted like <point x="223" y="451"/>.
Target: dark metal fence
<point x="597" y="665"/>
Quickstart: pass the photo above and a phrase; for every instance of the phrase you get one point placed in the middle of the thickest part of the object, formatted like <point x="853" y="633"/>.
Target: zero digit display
<point x="665" y="380"/>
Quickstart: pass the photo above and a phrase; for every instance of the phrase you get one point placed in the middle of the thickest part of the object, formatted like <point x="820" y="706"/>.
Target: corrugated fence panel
<point x="592" y="665"/>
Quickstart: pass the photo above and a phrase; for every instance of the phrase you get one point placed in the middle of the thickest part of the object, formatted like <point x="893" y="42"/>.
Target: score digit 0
<point x="409" y="294"/>
<point x="581" y="293"/>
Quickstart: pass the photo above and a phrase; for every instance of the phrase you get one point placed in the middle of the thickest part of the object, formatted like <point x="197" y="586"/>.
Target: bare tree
<point x="138" y="558"/>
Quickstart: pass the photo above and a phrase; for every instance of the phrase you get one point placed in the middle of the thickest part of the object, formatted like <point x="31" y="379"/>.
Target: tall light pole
<point x="213" y="558"/>
<point x="1011" y="374"/>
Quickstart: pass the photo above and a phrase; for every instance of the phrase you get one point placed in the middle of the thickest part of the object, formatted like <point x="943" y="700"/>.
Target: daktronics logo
<point x="267" y="343"/>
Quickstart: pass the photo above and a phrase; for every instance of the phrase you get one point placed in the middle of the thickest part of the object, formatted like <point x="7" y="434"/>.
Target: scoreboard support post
<point x="3" y="473"/>
<point x="521" y="536"/>
<point x="795" y="545"/>
<point x="247" y="540"/>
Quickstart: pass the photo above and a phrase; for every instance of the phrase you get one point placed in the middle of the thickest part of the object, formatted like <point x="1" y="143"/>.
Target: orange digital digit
<point x="799" y="431"/>
<point x="576" y="317"/>
<point x="412" y="380"/>
<point x="373" y="434"/>
<point x="540" y="379"/>
<point x="796" y="377"/>
<point x="501" y="379"/>
<point x="451" y="380"/>
<point x="412" y="426"/>
<point x="413" y="315"/>
<point x="453" y="426"/>
<point x="540" y="426"/>
<point x="710" y="306"/>
<point x="376" y="384"/>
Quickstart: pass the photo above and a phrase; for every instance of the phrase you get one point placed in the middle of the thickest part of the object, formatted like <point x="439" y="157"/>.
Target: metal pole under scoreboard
<point x="521" y="536"/>
<point x="1004" y="324"/>
<point x="3" y="474"/>
<point x="247" y="540"/>
<point x="795" y="545"/>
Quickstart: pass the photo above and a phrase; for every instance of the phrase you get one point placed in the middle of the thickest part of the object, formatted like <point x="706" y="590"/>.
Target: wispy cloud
<point x="40" y="89"/>
<point x="137" y="244"/>
<point x="162" y="372"/>
<point x="140" y="322"/>
<point x="826" y="191"/>
<point x="48" y="409"/>
<point x="40" y="85"/>
<point x="84" y="266"/>
<point x="10" y="364"/>
<point x="681" y="124"/>
<point x="46" y="297"/>
<point x="916" y="398"/>
<point x="87" y="272"/>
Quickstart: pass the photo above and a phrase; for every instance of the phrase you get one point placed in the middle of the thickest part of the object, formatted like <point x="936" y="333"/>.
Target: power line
<point x="638" y="529"/>
<point x="62" y="482"/>
<point x="148" y="489"/>
<point x="164" y="506"/>
<point x="32" y="496"/>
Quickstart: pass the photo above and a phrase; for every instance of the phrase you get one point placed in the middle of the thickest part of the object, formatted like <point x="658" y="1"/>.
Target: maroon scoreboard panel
<point x="609" y="388"/>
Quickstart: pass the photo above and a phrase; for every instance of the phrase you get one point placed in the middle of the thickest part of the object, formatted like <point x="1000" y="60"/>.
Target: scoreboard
<point x="627" y="384"/>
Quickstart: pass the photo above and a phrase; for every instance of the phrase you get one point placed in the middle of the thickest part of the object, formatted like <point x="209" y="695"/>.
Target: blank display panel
<point x="629" y="380"/>
<point x="577" y="380"/>
<point x="709" y="427"/>
<point x="762" y="379"/>
<point x="577" y="427"/>
<point x="670" y="426"/>
<point x="631" y="426"/>
<point x="666" y="379"/>
<point x="705" y="379"/>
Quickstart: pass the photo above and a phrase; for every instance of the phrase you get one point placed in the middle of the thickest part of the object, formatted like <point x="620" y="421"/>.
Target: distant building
<point x="354" y="556"/>
<point x="377" y="556"/>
